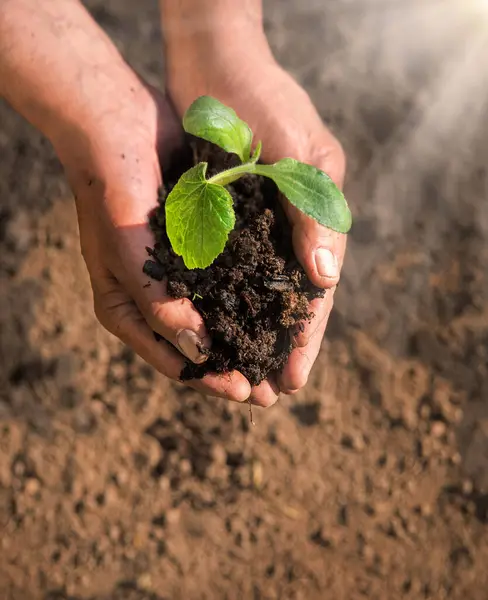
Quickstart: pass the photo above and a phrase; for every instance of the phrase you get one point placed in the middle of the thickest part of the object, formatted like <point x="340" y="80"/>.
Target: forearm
<point x="57" y="68"/>
<point x="200" y="30"/>
<point x="185" y="20"/>
<point x="207" y="40"/>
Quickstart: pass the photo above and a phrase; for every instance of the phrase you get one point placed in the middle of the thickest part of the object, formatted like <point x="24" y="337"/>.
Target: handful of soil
<point x="255" y="293"/>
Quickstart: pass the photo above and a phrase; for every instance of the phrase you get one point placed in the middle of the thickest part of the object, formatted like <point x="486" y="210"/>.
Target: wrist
<point x="117" y="108"/>
<point x="208" y="41"/>
<point x="211" y="49"/>
<point x="201" y="21"/>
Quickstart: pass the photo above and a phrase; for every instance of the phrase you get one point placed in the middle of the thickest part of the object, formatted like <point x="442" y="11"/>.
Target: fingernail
<point x="326" y="263"/>
<point x="192" y="346"/>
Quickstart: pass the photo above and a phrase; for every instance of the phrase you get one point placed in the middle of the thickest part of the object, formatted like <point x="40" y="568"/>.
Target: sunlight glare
<point x="480" y="6"/>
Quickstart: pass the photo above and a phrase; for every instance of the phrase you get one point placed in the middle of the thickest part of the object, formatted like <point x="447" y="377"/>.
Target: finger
<point x="120" y="316"/>
<point x="319" y="249"/>
<point x="126" y="205"/>
<point x="297" y="370"/>
<point x="266" y="393"/>
<point x="320" y="309"/>
<point x="231" y="386"/>
<point x="177" y="320"/>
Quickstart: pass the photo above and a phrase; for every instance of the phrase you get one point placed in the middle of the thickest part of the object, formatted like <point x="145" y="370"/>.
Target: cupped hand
<point x="113" y="167"/>
<point x="282" y="116"/>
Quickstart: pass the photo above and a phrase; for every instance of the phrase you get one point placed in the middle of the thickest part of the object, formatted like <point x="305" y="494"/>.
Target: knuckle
<point x="102" y="315"/>
<point x="115" y="319"/>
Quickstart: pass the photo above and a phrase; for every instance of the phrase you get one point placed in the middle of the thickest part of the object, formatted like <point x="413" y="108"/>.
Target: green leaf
<point x="209" y="119"/>
<point x="199" y="217"/>
<point x="312" y="191"/>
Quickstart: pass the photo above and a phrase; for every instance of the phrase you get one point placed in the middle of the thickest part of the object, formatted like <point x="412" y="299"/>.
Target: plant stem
<point x="249" y="168"/>
<point x="264" y="170"/>
<point x="233" y="174"/>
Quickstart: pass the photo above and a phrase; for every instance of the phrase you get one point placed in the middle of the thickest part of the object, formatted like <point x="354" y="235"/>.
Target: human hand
<point x="280" y="114"/>
<point x="114" y="172"/>
<point x="109" y="131"/>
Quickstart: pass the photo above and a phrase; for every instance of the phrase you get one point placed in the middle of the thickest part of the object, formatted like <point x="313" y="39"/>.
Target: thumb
<point x="319" y="249"/>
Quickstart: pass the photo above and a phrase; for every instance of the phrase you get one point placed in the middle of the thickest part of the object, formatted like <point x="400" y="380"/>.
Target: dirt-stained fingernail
<point x="326" y="262"/>
<point x="192" y="346"/>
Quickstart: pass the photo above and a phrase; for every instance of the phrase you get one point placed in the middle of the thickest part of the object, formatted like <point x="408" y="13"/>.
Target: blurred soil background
<point x="373" y="481"/>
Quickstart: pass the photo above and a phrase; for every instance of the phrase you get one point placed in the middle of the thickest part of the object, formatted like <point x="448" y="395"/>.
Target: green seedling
<point x="199" y="211"/>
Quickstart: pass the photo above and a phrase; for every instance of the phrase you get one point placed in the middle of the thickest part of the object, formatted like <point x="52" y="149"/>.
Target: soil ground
<point x="373" y="481"/>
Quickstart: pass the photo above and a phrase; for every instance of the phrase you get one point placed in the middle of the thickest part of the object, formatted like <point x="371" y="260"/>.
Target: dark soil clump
<point x="255" y="293"/>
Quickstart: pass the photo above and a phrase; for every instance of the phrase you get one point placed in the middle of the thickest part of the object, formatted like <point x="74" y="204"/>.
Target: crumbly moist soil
<point x="255" y="293"/>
